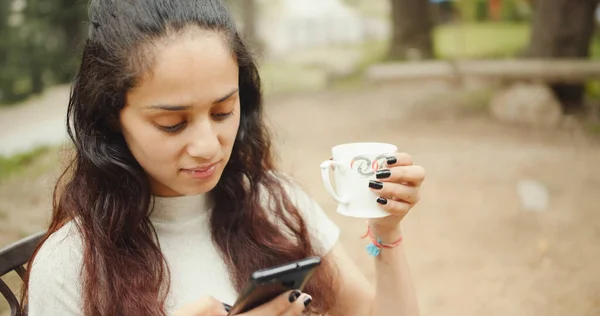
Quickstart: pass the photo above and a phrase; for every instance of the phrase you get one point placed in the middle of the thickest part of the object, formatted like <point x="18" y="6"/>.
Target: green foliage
<point x="516" y="10"/>
<point x="594" y="49"/>
<point x="481" y="10"/>
<point x="472" y="10"/>
<point x="38" y="44"/>
<point x="592" y="87"/>
<point x="477" y="10"/>
<point x="592" y="90"/>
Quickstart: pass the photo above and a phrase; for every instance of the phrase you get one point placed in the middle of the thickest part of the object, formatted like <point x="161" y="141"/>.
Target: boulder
<point x="527" y="104"/>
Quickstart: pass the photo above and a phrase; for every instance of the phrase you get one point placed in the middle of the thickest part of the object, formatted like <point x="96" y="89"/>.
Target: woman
<point x="172" y="199"/>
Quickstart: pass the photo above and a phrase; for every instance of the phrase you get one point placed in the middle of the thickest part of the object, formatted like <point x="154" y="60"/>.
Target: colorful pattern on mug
<point x="365" y="166"/>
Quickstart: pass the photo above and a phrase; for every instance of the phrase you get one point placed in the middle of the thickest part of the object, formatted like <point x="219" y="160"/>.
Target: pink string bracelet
<point x="374" y="248"/>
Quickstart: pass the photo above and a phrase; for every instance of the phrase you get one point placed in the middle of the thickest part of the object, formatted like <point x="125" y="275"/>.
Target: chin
<point x="201" y="187"/>
<point x="186" y="187"/>
<point x="198" y="188"/>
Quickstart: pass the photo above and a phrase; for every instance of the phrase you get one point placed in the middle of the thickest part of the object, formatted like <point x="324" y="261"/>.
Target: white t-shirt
<point x="181" y="224"/>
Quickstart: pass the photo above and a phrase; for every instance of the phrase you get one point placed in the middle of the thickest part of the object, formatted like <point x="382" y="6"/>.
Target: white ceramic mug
<point x="353" y="165"/>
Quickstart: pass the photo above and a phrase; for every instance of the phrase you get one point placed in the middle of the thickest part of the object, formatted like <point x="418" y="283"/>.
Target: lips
<point x="202" y="168"/>
<point x="201" y="172"/>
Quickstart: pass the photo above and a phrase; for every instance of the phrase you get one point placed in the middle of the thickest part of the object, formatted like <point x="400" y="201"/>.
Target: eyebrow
<point x="187" y="107"/>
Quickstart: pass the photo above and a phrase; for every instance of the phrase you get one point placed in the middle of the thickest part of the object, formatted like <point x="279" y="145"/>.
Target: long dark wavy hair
<point x="107" y="193"/>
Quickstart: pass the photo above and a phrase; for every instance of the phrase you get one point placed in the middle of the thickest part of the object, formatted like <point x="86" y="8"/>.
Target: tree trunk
<point x="249" y="12"/>
<point x="563" y="29"/>
<point x="411" y="30"/>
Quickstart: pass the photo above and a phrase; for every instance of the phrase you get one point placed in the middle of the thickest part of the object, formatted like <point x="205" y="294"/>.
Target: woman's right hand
<point x="291" y="303"/>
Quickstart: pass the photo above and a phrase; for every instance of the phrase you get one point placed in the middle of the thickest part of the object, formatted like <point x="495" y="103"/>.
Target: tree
<point x="411" y="30"/>
<point x="563" y="29"/>
<point x="39" y="43"/>
<point x="5" y="84"/>
<point x="70" y="20"/>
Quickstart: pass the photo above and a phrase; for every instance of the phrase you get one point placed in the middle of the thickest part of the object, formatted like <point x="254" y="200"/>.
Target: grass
<point x="375" y="9"/>
<point x="488" y="40"/>
<point x="593" y="128"/>
<point x="16" y="163"/>
<point x="480" y="40"/>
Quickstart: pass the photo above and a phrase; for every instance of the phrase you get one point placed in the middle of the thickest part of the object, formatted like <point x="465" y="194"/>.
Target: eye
<point x="173" y="128"/>
<point x="222" y="116"/>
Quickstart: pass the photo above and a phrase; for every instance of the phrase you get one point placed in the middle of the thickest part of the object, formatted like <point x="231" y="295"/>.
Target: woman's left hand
<point x="398" y="189"/>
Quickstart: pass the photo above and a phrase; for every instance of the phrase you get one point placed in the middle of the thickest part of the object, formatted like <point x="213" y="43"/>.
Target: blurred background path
<point x="40" y="121"/>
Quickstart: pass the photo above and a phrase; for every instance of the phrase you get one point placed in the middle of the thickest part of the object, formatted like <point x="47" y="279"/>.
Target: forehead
<point x="191" y="67"/>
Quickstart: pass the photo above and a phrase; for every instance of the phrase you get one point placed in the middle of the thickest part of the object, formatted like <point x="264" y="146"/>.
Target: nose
<point x="204" y="141"/>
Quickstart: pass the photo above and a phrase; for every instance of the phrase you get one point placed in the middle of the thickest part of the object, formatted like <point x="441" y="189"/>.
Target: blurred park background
<point x="498" y="99"/>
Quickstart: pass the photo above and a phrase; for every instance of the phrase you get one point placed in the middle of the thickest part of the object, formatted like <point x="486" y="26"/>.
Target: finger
<point x="227" y="307"/>
<point x="277" y="306"/>
<point x="399" y="159"/>
<point x="402" y="174"/>
<point x="299" y="306"/>
<point x="399" y="208"/>
<point x="394" y="191"/>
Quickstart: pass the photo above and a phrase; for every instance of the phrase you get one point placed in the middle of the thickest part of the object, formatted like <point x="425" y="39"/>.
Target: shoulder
<point x="64" y="248"/>
<point x="54" y="280"/>
<point x="323" y="230"/>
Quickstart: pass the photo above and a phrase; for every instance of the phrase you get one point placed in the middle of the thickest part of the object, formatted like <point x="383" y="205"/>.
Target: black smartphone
<point x="266" y="284"/>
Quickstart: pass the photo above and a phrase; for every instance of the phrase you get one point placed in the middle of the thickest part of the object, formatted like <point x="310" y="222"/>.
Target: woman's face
<point x="182" y="118"/>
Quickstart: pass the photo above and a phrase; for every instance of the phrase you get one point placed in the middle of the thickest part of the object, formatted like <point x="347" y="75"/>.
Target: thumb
<point x="204" y="306"/>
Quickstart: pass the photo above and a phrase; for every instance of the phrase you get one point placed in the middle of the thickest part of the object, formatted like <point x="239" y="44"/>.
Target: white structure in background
<point x="291" y="25"/>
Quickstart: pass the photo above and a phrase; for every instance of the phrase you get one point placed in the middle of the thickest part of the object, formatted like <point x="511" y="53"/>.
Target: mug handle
<point x="325" y="168"/>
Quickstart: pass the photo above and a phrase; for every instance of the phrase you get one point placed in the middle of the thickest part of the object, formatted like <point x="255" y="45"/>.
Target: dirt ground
<point x="472" y="250"/>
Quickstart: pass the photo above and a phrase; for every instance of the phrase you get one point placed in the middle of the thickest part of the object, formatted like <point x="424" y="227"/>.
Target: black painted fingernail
<point x="375" y="185"/>
<point x="383" y="174"/>
<point x="381" y="201"/>
<point x="307" y="301"/>
<point x="294" y="296"/>
<point x="391" y="160"/>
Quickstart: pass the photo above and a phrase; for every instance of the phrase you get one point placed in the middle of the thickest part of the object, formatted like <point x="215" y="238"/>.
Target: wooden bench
<point x="13" y="258"/>
<point x="544" y="70"/>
